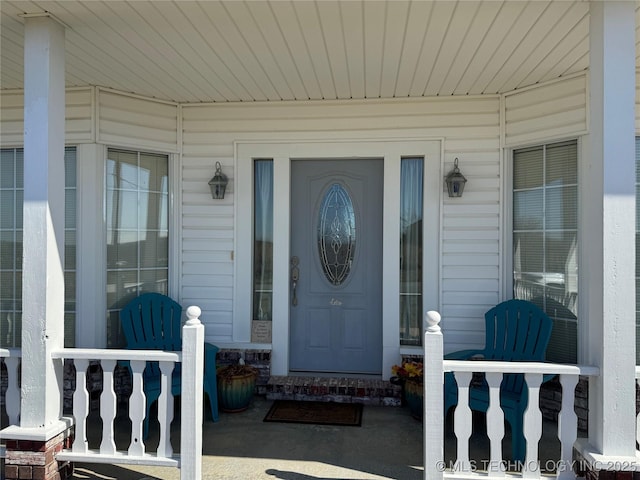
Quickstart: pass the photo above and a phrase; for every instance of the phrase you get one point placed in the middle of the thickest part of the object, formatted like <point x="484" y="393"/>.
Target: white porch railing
<point x="11" y="359"/>
<point x="192" y="357"/>
<point x="494" y="466"/>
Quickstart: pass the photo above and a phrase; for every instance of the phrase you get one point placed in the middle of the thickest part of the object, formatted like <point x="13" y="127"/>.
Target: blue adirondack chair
<point x="516" y="330"/>
<point x="153" y="321"/>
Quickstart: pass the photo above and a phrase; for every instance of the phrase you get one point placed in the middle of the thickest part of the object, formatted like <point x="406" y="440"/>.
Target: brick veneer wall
<point x="36" y="460"/>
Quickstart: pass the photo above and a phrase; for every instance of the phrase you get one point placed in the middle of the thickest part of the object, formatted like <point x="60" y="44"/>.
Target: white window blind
<point x="545" y="233"/>
<point x="11" y="203"/>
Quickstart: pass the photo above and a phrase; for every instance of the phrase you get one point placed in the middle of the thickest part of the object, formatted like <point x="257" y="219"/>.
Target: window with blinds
<point x="11" y="234"/>
<point x="545" y="239"/>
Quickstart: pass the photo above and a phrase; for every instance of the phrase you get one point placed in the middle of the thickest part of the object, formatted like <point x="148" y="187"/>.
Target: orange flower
<point x="409" y="370"/>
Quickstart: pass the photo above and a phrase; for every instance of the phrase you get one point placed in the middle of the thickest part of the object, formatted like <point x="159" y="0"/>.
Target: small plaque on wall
<point x="261" y="331"/>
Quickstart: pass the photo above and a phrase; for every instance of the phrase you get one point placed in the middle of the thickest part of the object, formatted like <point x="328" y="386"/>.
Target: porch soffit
<point x="245" y="51"/>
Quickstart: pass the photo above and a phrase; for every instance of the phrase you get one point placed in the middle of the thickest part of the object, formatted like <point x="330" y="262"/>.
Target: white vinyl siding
<point x="542" y="113"/>
<point x="637" y="101"/>
<point x="470" y="233"/>
<point x="79" y="122"/>
<point x="130" y="121"/>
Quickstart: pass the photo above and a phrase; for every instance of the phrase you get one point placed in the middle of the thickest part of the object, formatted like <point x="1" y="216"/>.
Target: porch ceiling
<point x="230" y="51"/>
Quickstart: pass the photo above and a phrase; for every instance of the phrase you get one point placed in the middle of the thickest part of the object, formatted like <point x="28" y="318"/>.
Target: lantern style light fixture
<point x="218" y="183"/>
<point x="455" y="181"/>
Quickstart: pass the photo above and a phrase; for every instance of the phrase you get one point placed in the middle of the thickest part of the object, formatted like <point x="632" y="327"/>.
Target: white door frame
<point x="391" y="151"/>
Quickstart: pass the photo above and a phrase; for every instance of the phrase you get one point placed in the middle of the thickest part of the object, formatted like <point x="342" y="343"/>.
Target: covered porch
<point x="200" y="83"/>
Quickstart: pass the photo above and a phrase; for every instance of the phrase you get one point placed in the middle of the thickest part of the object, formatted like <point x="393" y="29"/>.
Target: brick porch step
<point x="331" y="389"/>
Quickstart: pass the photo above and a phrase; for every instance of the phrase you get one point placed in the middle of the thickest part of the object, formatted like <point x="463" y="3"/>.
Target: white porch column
<point x="609" y="236"/>
<point x="43" y="244"/>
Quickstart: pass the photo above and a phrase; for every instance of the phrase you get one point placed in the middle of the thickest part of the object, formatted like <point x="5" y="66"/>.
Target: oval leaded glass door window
<point x="336" y="234"/>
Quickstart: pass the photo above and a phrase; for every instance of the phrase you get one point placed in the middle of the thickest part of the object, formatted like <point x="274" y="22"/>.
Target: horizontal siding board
<point x="546" y="112"/>
<point x="475" y="259"/>
<point x="545" y="134"/>
<point x="214" y="293"/>
<point x="478" y="125"/>
<point x="463" y="285"/>
<point x="470" y="272"/>
<point x="471" y="298"/>
<point x="207" y="221"/>
<point x="354" y="109"/>
<point x="225" y="244"/>
<point x="554" y="90"/>
<point x="471" y="222"/>
<point x="638" y="102"/>
<point x="211" y="258"/>
<point x="204" y="267"/>
<point x="141" y="123"/>
<point x="207" y="280"/>
<point x="457" y="247"/>
<point x="453" y="234"/>
<point x="78" y="117"/>
<point x="207" y="304"/>
<point x="562" y="120"/>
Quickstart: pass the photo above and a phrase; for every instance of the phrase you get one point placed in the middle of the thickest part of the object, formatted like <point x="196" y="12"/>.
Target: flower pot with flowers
<point x="410" y="374"/>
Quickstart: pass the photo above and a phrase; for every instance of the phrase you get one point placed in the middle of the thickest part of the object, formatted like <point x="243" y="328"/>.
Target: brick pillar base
<point x="36" y="460"/>
<point x="611" y="475"/>
<point x="604" y="470"/>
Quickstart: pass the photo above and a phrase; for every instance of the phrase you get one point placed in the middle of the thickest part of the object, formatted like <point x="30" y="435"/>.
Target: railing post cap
<point x="193" y="315"/>
<point x="433" y="319"/>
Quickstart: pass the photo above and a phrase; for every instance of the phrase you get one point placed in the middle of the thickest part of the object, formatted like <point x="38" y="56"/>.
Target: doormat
<point x="321" y="413"/>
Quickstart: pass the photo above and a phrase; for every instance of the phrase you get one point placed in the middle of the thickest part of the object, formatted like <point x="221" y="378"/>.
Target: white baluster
<point x="137" y="404"/>
<point x="191" y="404"/>
<point x="532" y="426"/>
<point x="463" y="421"/>
<point x="12" y="397"/>
<point x="567" y="426"/>
<point x="165" y="410"/>
<point x="495" y="425"/>
<point x="108" y="408"/>
<point x="433" y="415"/>
<point x="81" y="407"/>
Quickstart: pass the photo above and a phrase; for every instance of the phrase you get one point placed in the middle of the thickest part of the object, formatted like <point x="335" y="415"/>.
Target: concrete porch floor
<point x="388" y="445"/>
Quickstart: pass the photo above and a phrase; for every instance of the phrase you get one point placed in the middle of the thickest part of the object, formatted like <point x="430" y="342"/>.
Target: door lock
<point x="295" y="275"/>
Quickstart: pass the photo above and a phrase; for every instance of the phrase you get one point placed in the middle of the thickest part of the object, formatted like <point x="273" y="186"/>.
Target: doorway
<point x="336" y="266"/>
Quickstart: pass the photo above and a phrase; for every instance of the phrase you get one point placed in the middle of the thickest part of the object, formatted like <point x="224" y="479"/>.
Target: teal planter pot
<point x="236" y="385"/>
<point x="414" y="396"/>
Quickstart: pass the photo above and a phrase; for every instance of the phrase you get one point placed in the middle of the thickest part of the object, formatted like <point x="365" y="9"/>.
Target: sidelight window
<point x="411" y="212"/>
<point x="263" y="240"/>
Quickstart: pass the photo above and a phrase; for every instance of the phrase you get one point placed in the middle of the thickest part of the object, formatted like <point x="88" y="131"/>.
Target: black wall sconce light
<point x="218" y="183"/>
<point x="455" y="181"/>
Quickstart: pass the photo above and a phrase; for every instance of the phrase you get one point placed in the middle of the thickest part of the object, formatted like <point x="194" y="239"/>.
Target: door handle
<point x="295" y="275"/>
